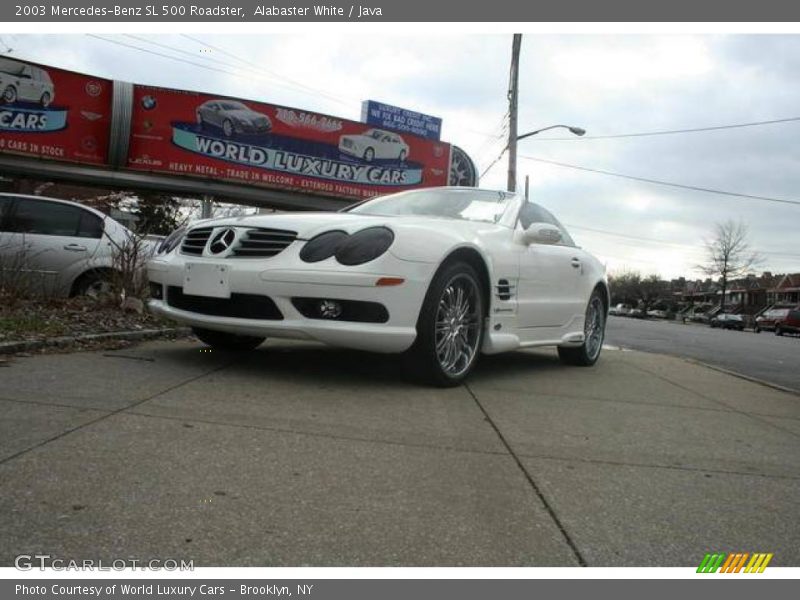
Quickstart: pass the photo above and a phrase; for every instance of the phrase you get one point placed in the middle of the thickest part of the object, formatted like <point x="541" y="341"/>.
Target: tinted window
<point x="91" y="226"/>
<point x="5" y="205"/>
<point x="46" y="218"/>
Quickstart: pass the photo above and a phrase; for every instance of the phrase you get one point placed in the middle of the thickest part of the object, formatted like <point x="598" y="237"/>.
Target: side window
<point x="533" y="213"/>
<point x="46" y="218"/>
<point x="5" y="207"/>
<point x="91" y="226"/>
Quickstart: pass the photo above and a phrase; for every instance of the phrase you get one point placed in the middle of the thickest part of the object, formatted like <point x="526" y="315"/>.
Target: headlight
<point x="364" y="246"/>
<point x="322" y="246"/>
<point x="169" y="243"/>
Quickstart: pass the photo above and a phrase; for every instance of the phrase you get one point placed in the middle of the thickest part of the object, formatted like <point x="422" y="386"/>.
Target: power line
<point x="670" y="131"/>
<point x="190" y="62"/>
<point x="660" y="182"/>
<point x="254" y="66"/>
<point x="664" y="242"/>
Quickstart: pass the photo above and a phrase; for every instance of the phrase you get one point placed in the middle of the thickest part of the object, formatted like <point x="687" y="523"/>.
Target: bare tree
<point x="728" y="255"/>
<point x="631" y="288"/>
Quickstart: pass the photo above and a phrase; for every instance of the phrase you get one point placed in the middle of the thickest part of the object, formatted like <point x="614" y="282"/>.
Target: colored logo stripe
<point x="734" y="562"/>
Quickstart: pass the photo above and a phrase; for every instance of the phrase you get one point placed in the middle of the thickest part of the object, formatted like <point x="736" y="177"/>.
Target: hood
<point x="309" y="224"/>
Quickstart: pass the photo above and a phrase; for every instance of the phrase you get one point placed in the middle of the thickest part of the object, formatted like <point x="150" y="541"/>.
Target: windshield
<point x="467" y="204"/>
<point x="374" y="133"/>
<point x="233" y="106"/>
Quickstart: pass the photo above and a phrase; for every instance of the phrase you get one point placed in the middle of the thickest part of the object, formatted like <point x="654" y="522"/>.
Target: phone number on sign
<point x="164" y="10"/>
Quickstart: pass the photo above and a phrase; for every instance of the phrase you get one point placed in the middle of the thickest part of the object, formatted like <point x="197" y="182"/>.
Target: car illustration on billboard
<point x="374" y="143"/>
<point x="26" y="83"/>
<point x="232" y="117"/>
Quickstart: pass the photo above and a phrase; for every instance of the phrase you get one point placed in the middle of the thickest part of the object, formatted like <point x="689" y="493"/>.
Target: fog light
<point x="330" y="309"/>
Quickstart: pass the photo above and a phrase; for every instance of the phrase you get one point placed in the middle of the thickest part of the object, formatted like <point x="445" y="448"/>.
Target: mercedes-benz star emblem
<point x="222" y="241"/>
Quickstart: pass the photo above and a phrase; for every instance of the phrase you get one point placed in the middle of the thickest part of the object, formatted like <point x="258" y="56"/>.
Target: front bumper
<point x="284" y="277"/>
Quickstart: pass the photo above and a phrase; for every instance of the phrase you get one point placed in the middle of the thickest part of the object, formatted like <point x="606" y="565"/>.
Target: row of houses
<point x="750" y="295"/>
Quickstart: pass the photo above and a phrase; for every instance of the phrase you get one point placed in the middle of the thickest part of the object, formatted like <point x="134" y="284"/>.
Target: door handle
<point x="75" y="248"/>
<point x="576" y="263"/>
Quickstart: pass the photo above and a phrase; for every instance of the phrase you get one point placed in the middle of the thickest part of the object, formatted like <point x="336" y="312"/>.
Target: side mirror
<point x="541" y="233"/>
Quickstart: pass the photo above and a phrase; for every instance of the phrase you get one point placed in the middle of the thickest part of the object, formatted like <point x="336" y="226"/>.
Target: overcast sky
<point x="603" y="83"/>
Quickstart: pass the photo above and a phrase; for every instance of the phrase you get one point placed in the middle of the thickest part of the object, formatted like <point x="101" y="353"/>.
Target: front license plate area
<point x="205" y="279"/>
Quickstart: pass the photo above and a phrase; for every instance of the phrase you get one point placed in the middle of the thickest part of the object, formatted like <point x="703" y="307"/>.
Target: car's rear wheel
<point x="778" y="330"/>
<point x="227" y="128"/>
<point x="45" y="100"/>
<point x="450" y="326"/>
<point x="369" y="154"/>
<point x="222" y="340"/>
<point x="402" y="156"/>
<point x="594" y="331"/>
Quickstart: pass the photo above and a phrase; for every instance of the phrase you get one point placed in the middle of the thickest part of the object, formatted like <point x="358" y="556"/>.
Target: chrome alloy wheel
<point x="458" y="320"/>
<point x="594" y="327"/>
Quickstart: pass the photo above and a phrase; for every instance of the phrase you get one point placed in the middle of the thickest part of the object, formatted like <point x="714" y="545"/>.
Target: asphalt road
<point x="297" y="454"/>
<point x="764" y="356"/>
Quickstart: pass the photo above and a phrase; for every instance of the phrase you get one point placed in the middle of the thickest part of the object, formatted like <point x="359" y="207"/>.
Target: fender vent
<point x="504" y="289"/>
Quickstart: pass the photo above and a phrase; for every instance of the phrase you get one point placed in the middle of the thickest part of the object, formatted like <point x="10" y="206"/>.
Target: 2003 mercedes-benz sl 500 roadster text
<point x="443" y="273"/>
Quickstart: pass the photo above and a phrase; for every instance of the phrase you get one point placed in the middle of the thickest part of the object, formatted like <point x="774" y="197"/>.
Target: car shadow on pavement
<point x="290" y="360"/>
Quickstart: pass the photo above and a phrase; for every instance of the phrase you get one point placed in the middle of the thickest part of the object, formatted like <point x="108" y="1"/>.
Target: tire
<point x="756" y="330"/>
<point x="45" y="100"/>
<point x="450" y="326"/>
<point x="227" y="128"/>
<point x="369" y="154"/>
<point x="594" y="330"/>
<point x="221" y="340"/>
<point x="402" y="156"/>
<point x="10" y="94"/>
<point x="778" y="330"/>
<point x="200" y="121"/>
<point x="93" y="284"/>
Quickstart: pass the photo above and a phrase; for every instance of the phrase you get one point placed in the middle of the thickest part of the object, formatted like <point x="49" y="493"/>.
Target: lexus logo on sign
<point x="222" y="241"/>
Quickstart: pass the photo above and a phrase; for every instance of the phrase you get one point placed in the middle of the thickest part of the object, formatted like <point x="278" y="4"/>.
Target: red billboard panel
<point x="201" y="135"/>
<point x="52" y="113"/>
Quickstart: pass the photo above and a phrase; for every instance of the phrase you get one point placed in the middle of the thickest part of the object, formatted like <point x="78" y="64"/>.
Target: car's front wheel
<point x="223" y="340"/>
<point x="450" y="326"/>
<point x="369" y="154"/>
<point x="778" y="330"/>
<point x="45" y="100"/>
<point x="227" y="128"/>
<point x="594" y="331"/>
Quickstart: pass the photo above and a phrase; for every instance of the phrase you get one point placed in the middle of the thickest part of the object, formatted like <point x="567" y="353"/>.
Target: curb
<point x="66" y="341"/>
<point x="769" y="384"/>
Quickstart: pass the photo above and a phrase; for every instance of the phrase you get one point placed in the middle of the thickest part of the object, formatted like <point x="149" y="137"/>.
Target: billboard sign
<point x="202" y="135"/>
<point x="400" y="119"/>
<point x="54" y="114"/>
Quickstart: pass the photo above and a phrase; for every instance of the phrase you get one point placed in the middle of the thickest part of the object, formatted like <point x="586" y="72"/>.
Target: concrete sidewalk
<point x="298" y="454"/>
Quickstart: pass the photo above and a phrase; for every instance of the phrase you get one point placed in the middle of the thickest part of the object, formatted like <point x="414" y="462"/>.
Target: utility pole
<point x="513" y="95"/>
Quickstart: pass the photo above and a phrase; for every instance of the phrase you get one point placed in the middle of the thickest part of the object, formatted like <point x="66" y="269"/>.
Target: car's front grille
<point x="195" y="241"/>
<point x="261" y="243"/>
<point x="239" y="306"/>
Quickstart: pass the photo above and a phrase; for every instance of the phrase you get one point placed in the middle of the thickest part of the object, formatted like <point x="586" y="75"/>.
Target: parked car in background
<point x="728" y="321"/>
<point x="620" y="310"/>
<point x="20" y="81"/>
<point x="232" y="117"/>
<point x="374" y="143"/>
<point x="767" y="320"/>
<point x="657" y="313"/>
<point x="58" y="247"/>
<point x="789" y="324"/>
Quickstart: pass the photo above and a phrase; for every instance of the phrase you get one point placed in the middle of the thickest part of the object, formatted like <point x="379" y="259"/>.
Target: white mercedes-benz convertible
<point x="442" y="273"/>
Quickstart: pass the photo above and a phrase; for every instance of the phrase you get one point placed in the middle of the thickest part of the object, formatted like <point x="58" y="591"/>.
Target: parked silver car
<point x="58" y="247"/>
<point x="232" y="117"/>
<point x="21" y="81"/>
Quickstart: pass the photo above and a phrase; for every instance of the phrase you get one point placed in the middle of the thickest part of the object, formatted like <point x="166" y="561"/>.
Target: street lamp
<point x="512" y="149"/>
<point x="576" y="130"/>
